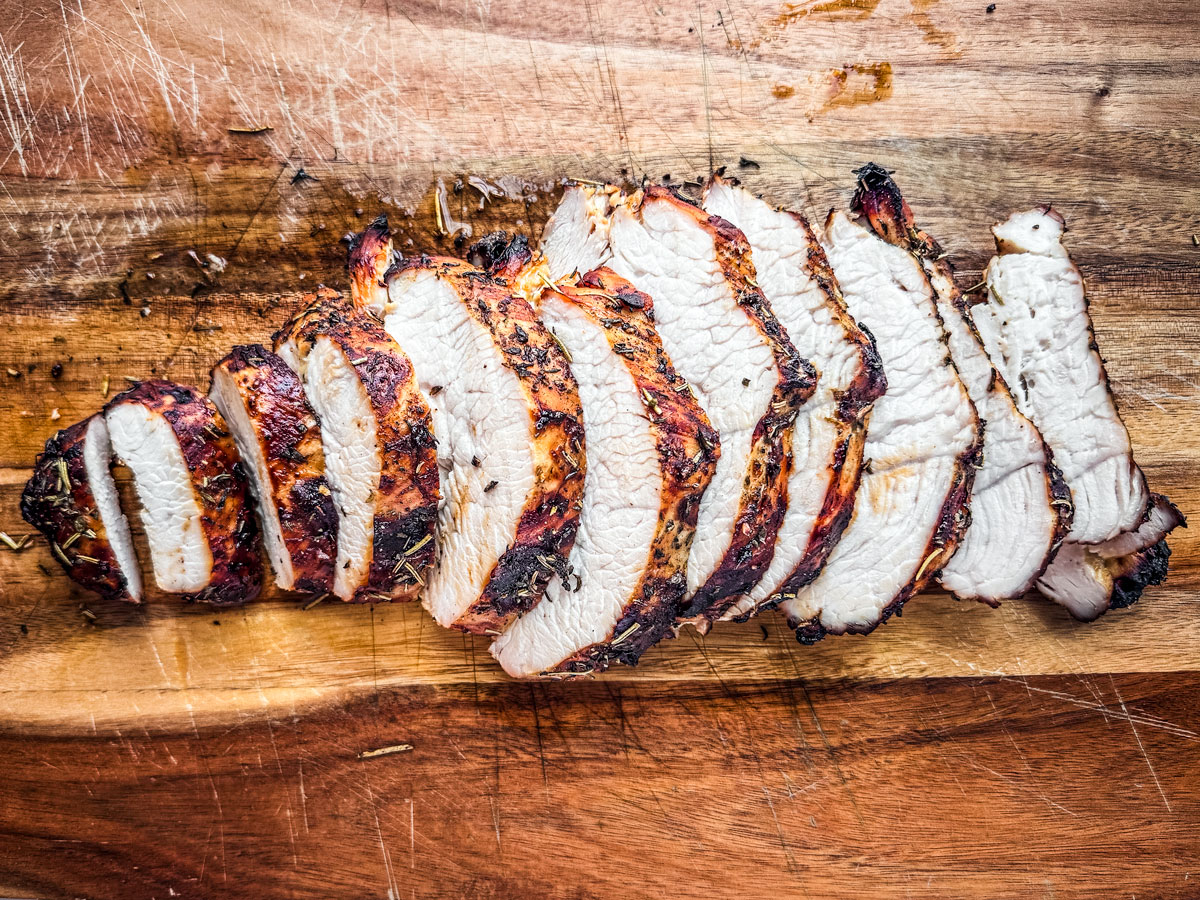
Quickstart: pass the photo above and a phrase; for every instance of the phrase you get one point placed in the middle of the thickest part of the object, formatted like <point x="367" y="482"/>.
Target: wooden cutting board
<point x="175" y="176"/>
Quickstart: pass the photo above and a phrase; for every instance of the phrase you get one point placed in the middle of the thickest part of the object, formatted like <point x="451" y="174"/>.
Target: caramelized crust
<point x="764" y="496"/>
<point x="289" y="438"/>
<point x="688" y="448"/>
<point x="548" y="523"/>
<point x="402" y="548"/>
<point x="58" y="502"/>
<point x="219" y="486"/>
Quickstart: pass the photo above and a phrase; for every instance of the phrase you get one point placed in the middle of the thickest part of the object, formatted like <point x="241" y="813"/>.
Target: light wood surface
<point x="957" y="752"/>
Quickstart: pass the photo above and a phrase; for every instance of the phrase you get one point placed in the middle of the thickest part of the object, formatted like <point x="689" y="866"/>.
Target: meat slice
<point x="71" y="498"/>
<point x="719" y="329"/>
<point x="1020" y="505"/>
<point x="1035" y="326"/>
<point x="192" y="491"/>
<point x="651" y="454"/>
<point x="1090" y="579"/>
<point x="828" y="437"/>
<point x="922" y="446"/>
<point x="510" y="432"/>
<point x="279" y="441"/>
<point x="377" y="438"/>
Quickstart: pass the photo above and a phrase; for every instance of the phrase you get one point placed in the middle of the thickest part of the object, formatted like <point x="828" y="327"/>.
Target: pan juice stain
<point x="859" y="84"/>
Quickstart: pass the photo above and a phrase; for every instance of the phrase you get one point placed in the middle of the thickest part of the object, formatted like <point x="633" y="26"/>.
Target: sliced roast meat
<point x="510" y="434"/>
<point x="71" y="498"/>
<point x="1090" y="579"/>
<point x="651" y="454"/>
<point x="279" y="441"/>
<point x="192" y="489"/>
<point x="922" y="446"/>
<point x="1020" y="505"/>
<point x="377" y="438"/>
<point x="1036" y="328"/>
<point x="576" y="237"/>
<point x="718" y="328"/>
<point x="828" y="437"/>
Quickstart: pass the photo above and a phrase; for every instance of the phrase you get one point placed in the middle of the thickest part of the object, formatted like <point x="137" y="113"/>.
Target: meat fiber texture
<point x="724" y="339"/>
<point x="1035" y="325"/>
<point x="507" y="413"/>
<point x="829" y="433"/>
<point x="71" y="498"/>
<point x="378" y="443"/>
<point x="652" y="453"/>
<point x="195" y="503"/>
<point x="922" y="446"/>
<point x="1020" y="505"/>
<point x="279" y="441"/>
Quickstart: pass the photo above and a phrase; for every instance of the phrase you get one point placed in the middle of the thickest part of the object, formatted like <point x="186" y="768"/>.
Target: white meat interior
<point x="228" y="399"/>
<point x="1036" y="329"/>
<point x="97" y="457"/>
<point x="352" y="462"/>
<point x="919" y="428"/>
<point x="179" y="550"/>
<point x="620" y="512"/>
<point x="484" y="430"/>
<point x="713" y="345"/>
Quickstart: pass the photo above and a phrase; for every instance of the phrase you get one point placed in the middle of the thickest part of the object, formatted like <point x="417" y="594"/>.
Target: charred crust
<point x="764" y="500"/>
<point x="370" y="257"/>
<point x="1139" y="572"/>
<point x="408" y="490"/>
<point x="500" y="254"/>
<point x="688" y="448"/>
<point x="289" y="438"/>
<point x="67" y="515"/>
<point x="547" y="525"/>
<point x="219" y="485"/>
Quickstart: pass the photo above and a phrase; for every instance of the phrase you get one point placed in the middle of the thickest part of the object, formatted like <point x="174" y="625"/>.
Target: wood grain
<point x="957" y="752"/>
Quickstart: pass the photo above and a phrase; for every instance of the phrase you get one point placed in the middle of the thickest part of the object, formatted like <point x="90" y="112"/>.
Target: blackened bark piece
<point x="193" y="492"/>
<point x="378" y="442"/>
<point x="279" y="440"/>
<point x="1090" y="579"/>
<point x="71" y="498"/>
<point x="651" y="455"/>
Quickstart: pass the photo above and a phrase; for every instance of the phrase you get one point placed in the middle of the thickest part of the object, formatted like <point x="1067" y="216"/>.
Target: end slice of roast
<point x="830" y="431"/>
<point x="651" y="454"/>
<point x="71" y="498"/>
<point x="719" y="330"/>
<point x="1036" y="328"/>
<point x="510" y="436"/>
<point x="1090" y="579"/>
<point x="192" y="490"/>
<point x="377" y="438"/>
<point x="279" y="441"/>
<point x="1020" y="504"/>
<point x="922" y="445"/>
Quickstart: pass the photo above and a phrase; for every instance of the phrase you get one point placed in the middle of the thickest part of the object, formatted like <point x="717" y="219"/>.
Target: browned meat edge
<point x="290" y="439"/>
<point x="764" y="497"/>
<point x="402" y="547"/>
<point x="58" y="502"/>
<point x="854" y="410"/>
<point x="688" y="448"/>
<point x="880" y="201"/>
<point x="219" y="484"/>
<point x="547" y="527"/>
